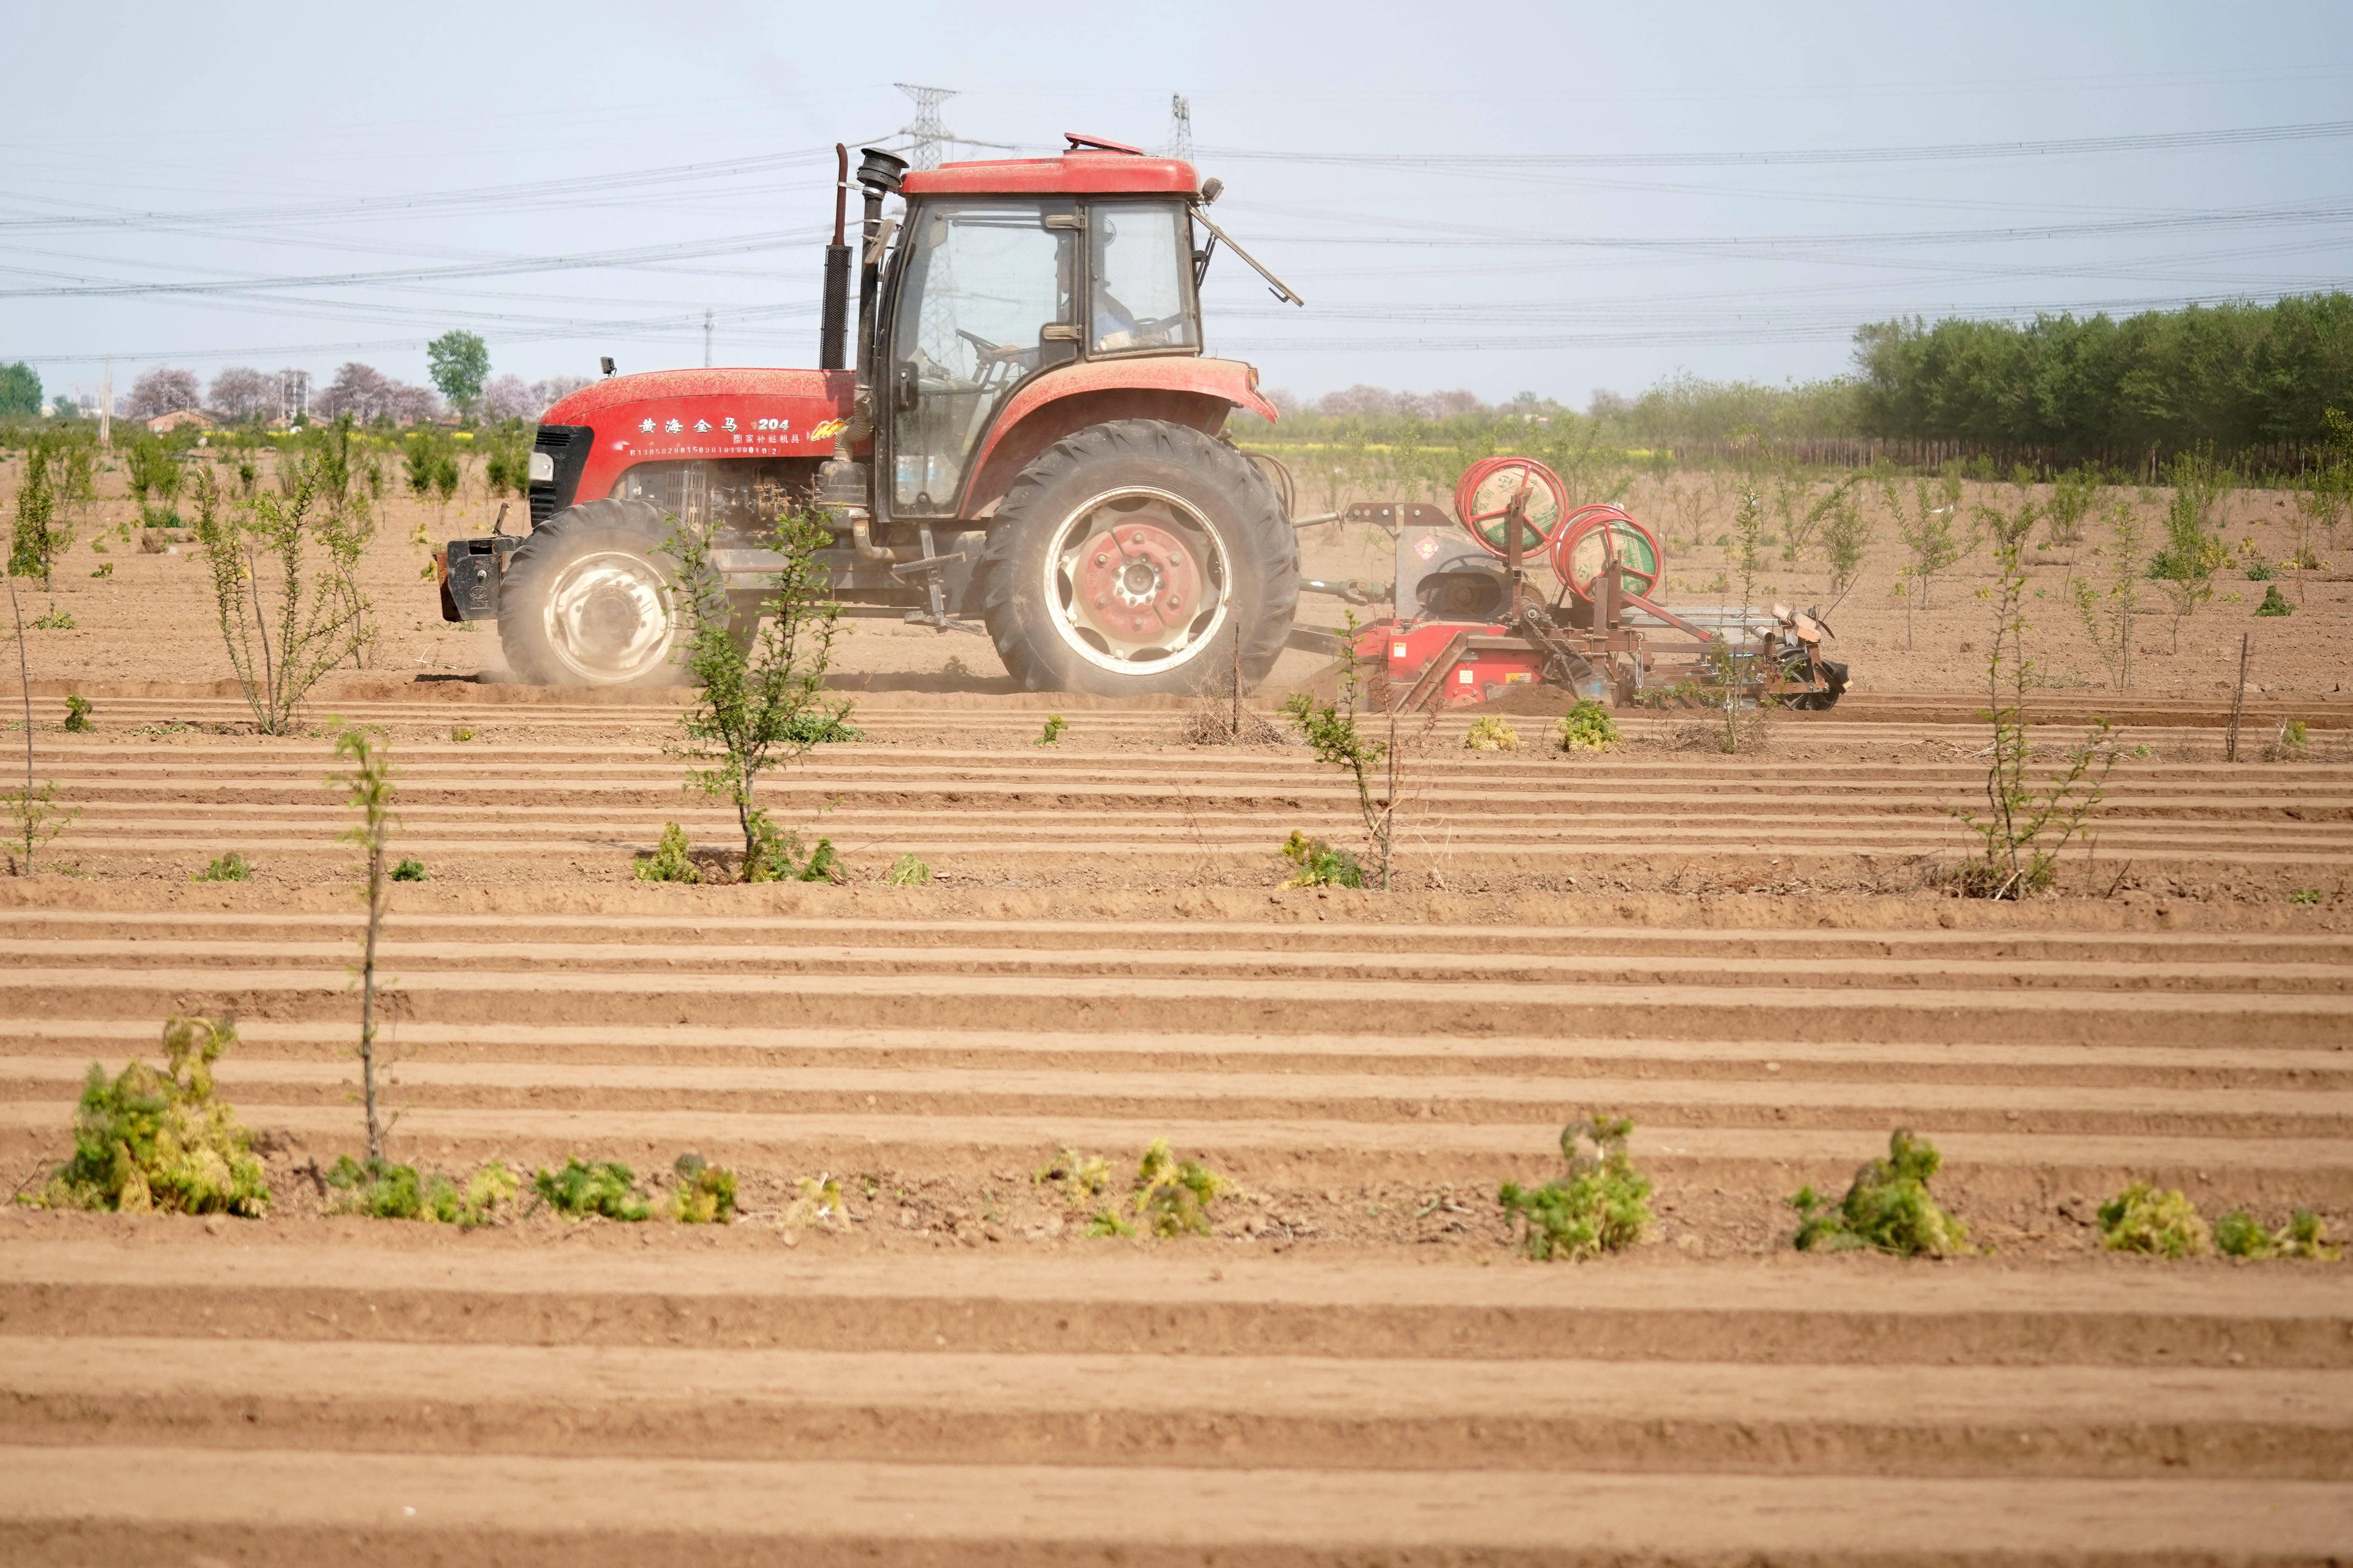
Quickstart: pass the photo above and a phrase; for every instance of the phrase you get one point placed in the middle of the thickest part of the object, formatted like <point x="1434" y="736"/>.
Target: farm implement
<point x="1467" y="624"/>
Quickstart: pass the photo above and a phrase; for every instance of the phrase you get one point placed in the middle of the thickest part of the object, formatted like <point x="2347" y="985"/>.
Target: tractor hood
<point x="718" y="413"/>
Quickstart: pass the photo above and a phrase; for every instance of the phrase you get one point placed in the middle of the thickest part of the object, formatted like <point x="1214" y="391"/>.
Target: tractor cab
<point x="1001" y="272"/>
<point x="988" y="292"/>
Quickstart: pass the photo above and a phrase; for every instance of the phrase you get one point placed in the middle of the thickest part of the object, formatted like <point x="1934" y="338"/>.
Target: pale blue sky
<point x="150" y="145"/>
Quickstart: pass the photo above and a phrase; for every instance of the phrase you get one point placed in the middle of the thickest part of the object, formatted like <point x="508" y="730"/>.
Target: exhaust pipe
<point x="841" y="482"/>
<point x="878" y="174"/>
<point x="833" y="333"/>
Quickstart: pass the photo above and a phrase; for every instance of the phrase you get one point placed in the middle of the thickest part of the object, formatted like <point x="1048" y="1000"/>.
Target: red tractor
<point x="1029" y="443"/>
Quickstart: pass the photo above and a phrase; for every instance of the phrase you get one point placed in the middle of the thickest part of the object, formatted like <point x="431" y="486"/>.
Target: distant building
<point x="164" y="423"/>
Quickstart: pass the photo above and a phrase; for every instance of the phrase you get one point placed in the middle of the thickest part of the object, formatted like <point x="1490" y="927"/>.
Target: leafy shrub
<point x="582" y="1189"/>
<point x="1603" y="1205"/>
<point x="1319" y="865"/>
<point x="2258" y="573"/>
<point x="229" y="867"/>
<point x="58" y="620"/>
<point x="77" y="711"/>
<point x="1053" y="733"/>
<point x="2238" y="1235"/>
<point x="706" y="1195"/>
<point x="2142" y="1219"/>
<point x="161" y="1140"/>
<point x="1174" y="1195"/>
<point x="382" y="1191"/>
<point x="1887" y="1207"/>
<point x="2289" y="746"/>
<point x="409" y="872"/>
<point x="1588" y="727"/>
<point x="907" y="872"/>
<point x="1490" y="735"/>
<point x="670" y="862"/>
<point x="2274" y="603"/>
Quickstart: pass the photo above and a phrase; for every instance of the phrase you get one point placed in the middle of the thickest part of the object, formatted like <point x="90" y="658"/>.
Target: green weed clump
<point x="1588" y="727"/>
<point x="1489" y="734"/>
<point x="2142" y="1219"/>
<point x="670" y="862"/>
<point x="58" y="620"/>
<point x="1053" y="733"/>
<point x="1168" y="1196"/>
<point x="161" y="1140"/>
<point x="1602" y="1205"/>
<point x="409" y="872"/>
<point x="1174" y="1195"/>
<point x="229" y="867"/>
<point x="384" y="1191"/>
<point x="1081" y="1178"/>
<point x="77" y="712"/>
<point x="2275" y="603"/>
<point x="821" y="727"/>
<point x="582" y="1189"/>
<point x="2237" y="1234"/>
<point x="907" y="872"/>
<point x="1887" y="1207"/>
<point x="1319" y="865"/>
<point x="777" y="855"/>
<point x="705" y="1194"/>
<point x="817" y="1200"/>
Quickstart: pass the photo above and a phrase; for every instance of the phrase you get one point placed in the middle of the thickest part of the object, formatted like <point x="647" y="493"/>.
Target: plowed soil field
<point x="1747" y="955"/>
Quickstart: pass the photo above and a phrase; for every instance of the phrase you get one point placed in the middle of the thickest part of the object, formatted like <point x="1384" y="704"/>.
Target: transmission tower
<point x="1180" y="127"/>
<point x="926" y="132"/>
<point x="293" y="394"/>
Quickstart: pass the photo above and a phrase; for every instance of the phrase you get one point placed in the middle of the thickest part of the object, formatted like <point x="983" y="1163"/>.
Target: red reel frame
<point x="1483" y="498"/>
<point x="1617" y="533"/>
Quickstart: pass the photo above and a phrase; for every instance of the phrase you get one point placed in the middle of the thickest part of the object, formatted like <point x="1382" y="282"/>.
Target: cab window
<point x="1141" y="263"/>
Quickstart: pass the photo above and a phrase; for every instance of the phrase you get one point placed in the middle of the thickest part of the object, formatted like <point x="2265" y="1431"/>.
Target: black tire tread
<point x="520" y="634"/>
<point x="1257" y="518"/>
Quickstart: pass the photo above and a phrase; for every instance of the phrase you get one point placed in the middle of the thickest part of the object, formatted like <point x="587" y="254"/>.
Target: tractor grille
<point x="568" y="445"/>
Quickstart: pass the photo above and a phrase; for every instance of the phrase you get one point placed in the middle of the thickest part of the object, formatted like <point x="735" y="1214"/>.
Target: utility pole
<point x="928" y="134"/>
<point x="105" y="404"/>
<point x="706" y="337"/>
<point x="1180" y="127"/>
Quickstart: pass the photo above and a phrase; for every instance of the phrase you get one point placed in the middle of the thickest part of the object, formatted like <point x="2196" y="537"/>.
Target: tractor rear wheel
<point x="1123" y="559"/>
<point x="590" y="599"/>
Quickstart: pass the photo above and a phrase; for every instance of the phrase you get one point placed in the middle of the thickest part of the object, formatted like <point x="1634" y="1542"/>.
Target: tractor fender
<point x="1199" y="392"/>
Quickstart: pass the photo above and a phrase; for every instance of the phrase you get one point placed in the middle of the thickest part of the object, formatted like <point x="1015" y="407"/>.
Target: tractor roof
<point x="1091" y="168"/>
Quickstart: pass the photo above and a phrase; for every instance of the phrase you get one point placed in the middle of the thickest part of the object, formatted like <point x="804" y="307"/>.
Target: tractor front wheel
<point x="1124" y="560"/>
<point x="590" y="599"/>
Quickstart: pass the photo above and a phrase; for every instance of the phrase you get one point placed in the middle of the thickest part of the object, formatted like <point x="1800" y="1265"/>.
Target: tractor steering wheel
<point x="995" y="353"/>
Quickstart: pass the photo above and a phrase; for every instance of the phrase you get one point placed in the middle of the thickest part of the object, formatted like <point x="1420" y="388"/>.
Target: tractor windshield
<point x="1141" y="257"/>
<point x="980" y="282"/>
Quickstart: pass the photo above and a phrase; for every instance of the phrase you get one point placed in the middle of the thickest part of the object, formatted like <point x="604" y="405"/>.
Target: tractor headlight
<point x="542" y="467"/>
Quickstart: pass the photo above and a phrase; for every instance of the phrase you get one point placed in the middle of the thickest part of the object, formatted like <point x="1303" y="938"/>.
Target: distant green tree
<point x="20" y="389"/>
<point x="2226" y="376"/>
<point x="461" y="363"/>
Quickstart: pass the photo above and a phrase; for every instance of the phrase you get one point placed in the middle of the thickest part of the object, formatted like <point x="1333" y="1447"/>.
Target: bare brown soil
<point x="1751" y="956"/>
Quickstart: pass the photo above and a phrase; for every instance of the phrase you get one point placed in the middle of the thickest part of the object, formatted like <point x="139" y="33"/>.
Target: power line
<point x="635" y="255"/>
<point x="1951" y="152"/>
